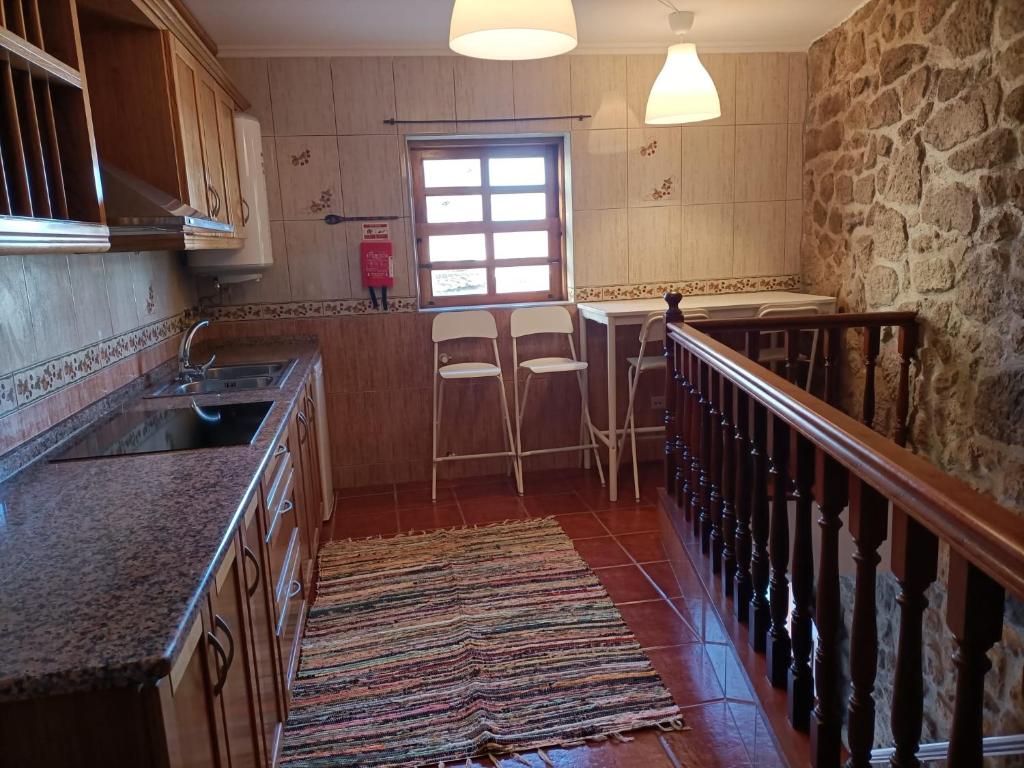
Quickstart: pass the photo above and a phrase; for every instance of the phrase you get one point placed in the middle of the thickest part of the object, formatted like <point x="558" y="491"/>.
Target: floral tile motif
<point x="295" y="309"/>
<point x="8" y="400"/>
<point x="687" y="288"/>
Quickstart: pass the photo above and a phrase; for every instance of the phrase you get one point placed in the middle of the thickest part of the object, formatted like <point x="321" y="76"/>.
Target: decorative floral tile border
<point x="294" y="309"/>
<point x="30" y="384"/>
<point x="687" y="288"/>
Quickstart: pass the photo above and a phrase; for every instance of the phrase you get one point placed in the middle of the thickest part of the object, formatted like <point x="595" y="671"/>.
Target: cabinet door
<point x="314" y="487"/>
<point x="299" y="429"/>
<point x="234" y="684"/>
<point x="186" y="84"/>
<point x="212" y="155"/>
<point x="236" y="214"/>
<point x="262" y="629"/>
<point x="188" y="706"/>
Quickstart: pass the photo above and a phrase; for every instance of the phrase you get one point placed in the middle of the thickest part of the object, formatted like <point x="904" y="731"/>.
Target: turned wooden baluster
<point x="831" y="352"/>
<point x="727" y="489"/>
<point x="974" y="613"/>
<point x="907" y="348"/>
<point x="800" y="684"/>
<point x="793" y="355"/>
<point x="869" y="512"/>
<point x="741" y="462"/>
<point x="778" y="646"/>
<point x="715" y="469"/>
<point x="914" y="560"/>
<point x="759" y="616"/>
<point x="704" y="439"/>
<point x="672" y="437"/>
<point x="682" y="424"/>
<point x="693" y="476"/>
<point x="872" y="340"/>
<point x="830" y="481"/>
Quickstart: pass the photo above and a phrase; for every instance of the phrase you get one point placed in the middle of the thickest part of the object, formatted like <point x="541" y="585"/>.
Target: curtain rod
<point x="393" y="121"/>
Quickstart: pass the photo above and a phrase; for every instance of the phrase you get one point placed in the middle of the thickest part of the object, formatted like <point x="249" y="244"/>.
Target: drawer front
<point x="282" y="583"/>
<point x="278" y="487"/>
<point x="289" y="634"/>
<point x="283" y="523"/>
<point x="282" y="453"/>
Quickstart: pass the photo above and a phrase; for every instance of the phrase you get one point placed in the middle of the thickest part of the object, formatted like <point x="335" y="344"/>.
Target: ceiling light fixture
<point x="512" y="29"/>
<point x="684" y="91"/>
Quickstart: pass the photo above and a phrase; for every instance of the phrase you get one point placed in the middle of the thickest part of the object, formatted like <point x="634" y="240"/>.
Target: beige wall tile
<point x="762" y="88"/>
<point x="707" y="241"/>
<point x="600" y="247"/>
<point x="371" y="175"/>
<point x="425" y="88"/>
<point x="161" y="285"/>
<point x="124" y="312"/>
<point x="653" y="168"/>
<point x="794" y="161"/>
<point x="708" y="164"/>
<point x="273" y="286"/>
<point x="722" y="68"/>
<point x="540" y="88"/>
<point x="599" y="169"/>
<point x="759" y="240"/>
<point x="89" y="288"/>
<point x="364" y="94"/>
<point x="655" y="244"/>
<point x="402" y="254"/>
<point x="54" y="324"/>
<point x="641" y="72"/>
<point x="310" y="176"/>
<point x="252" y="76"/>
<point x="272" y="178"/>
<point x="317" y="260"/>
<point x="794" y="224"/>
<point x="17" y="348"/>
<point x="483" y="89"/>
<point x="797" y="87"/>
<point x="760" y="162"/>
<point x="598" y="88"/>
<point x="302" y="96"/>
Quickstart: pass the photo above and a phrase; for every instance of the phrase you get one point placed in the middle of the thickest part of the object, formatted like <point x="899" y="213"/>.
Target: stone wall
<point x="913" y="199"/>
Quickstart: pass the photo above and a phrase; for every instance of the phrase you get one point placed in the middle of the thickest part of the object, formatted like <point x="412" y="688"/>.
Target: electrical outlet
<point x="658" y="402"/>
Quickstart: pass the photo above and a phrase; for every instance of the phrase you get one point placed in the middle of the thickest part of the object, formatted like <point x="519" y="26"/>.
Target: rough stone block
<point x="990" y="151"/>
<point x="882" y="285"/>
<point x="968" y="28"/>
<point x="898" y="61"/>
<point x="884" y="110"/>
<point x="955" y="123"/>
<point x="932" y="275"/>
<point x="949" y="207"/>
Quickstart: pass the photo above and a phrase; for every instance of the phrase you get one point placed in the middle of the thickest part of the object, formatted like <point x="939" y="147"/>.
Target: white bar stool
<point x="473" y="324"/>
<point x="652" y="331"/>
<point x="776" y="351"/>
<point x="530" y="321"/>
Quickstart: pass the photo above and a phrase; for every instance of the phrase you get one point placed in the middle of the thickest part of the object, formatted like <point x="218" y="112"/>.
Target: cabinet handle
<point x="296" y="587"/>
<point x="227" y="658"/>
<point x="286" y="506"/>
<point x="303" y="433"/>
<point x="215" y="210"/>
<point x="251" y="557"/>
<point x="311" y="404"/>
<point x="245" y="211"/>
<point x="281" y="450"/>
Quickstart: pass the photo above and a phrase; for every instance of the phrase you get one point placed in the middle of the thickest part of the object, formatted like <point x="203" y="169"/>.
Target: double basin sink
<point x="230" y="378"/>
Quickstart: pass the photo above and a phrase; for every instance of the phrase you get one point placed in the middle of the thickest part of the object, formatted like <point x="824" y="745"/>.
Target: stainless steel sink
<point x="229" y="378"/>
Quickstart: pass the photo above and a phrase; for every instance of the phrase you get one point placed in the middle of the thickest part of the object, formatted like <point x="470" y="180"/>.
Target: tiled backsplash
<point x="712" y="201"/>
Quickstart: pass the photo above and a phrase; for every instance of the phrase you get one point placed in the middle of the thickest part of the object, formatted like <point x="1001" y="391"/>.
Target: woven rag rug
<point x="437" y="647"/>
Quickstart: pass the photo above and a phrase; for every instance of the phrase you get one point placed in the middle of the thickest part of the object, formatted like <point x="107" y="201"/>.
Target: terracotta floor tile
<point x="758" y="740"/>
<point x="712" y="740"/>
<point x="656" y="624"/>
<point x="729" y="673"/>
<point x="581" y="525"/>
<point x="636" y="520"/>
<point x="429" y="518"/>
<point x="419" y="497"/>
<point x="626" y="584"/>
<point x="704" y="619"/>
<point x="357" y="505"/>
<point x="492" y="509"/>
<point x="688" y="673"/>
<point x="643" y="547"/>
<point x="503" y="487"/>
<point x="663" y="576"/>
<point x="363" y="490"/>
<point x="566" y="503"/>
<point x="645" y="751"/>
<point x="596" y="497"/>
<point x="363" y="525"/>
<point x="601" y="552"/>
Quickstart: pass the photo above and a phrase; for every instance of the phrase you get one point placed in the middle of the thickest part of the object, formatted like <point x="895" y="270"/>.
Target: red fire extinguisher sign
<point x="376" y="256"/>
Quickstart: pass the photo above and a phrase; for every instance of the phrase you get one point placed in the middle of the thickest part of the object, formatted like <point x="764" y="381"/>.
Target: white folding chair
<point x="473" y="324"/>
<point x="651" y="332"/>
<point x="775" y="352"/>
<point x="531" y="321"/>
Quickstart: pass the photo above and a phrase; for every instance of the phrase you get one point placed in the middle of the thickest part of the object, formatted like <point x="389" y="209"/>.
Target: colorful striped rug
<point x="437" y="647"/>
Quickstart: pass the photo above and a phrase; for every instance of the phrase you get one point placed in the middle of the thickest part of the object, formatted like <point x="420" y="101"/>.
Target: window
<point x="489" y="220"/>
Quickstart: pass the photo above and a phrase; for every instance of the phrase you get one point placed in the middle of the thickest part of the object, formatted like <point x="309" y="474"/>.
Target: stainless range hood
<point x="142" y="217"/>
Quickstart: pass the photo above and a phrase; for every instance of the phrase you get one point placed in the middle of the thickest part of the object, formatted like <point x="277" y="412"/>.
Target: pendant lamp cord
<point x="668" y="4"/>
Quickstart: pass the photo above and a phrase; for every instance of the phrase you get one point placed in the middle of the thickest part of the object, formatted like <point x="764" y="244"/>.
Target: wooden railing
<point x="743" y="445"/>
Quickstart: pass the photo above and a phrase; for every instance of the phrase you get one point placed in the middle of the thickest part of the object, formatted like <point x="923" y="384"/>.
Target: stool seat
<point x="468" y="371"/>
<point x="647" y="362"/>
<point x="553" y="365"/>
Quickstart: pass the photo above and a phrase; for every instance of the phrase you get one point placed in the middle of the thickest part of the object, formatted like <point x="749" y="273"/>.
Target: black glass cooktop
<point x="173" y="429"/>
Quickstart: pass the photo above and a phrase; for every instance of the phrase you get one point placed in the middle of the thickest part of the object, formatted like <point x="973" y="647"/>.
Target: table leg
<point x="613" y="434"/>
<point x="586" y="385"/>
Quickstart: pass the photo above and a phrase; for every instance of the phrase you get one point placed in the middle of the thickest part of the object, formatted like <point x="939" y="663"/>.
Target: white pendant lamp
<point x="512" y="29"/>
<point x="684" y="91"/>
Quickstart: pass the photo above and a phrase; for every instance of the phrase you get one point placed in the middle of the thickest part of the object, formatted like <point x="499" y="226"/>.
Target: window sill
<point x="519" y="305"/>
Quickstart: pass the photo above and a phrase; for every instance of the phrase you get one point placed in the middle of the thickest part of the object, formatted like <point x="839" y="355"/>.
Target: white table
<point x="634" y="311"/>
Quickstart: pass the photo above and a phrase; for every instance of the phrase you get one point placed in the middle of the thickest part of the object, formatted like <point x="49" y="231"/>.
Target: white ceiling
<point x="337" y="27"/>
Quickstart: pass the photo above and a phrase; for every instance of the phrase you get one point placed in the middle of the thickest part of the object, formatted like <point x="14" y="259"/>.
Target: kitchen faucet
<point x="186" y="370"/>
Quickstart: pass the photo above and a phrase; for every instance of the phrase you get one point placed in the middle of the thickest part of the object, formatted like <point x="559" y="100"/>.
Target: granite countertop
<point x="104" y="562"/>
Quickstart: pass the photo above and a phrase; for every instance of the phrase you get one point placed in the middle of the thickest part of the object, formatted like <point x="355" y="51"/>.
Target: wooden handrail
<point x="985" y="533"/>
<point x="781" y="323"/>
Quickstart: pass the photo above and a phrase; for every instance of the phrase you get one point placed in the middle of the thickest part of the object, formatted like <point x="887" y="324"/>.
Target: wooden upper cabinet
<point x="187" y="85"/>
<point x="237" y="215"/>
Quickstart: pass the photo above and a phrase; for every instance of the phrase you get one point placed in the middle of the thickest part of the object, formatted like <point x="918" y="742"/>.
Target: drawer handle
<point x="294" y="588"/>
<point x="281" y="450"/>
<point x="286" y="506"/>
<point x="304" y="432"/>
<point x="226" y="658"/>
<point x="311" y="404"/>
<point x="250" y="556"/>
<point x="245" y="211"/>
